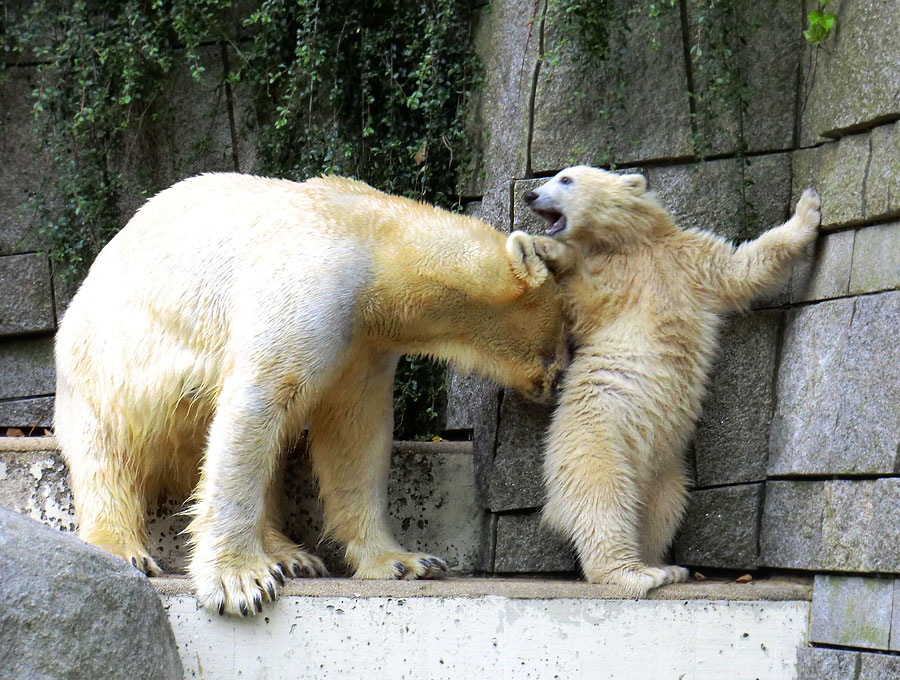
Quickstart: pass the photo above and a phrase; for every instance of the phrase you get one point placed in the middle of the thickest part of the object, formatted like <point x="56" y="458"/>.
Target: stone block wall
<point x="796" y="457"/>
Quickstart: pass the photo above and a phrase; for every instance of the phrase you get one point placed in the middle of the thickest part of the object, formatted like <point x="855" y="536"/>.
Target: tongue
<point x="557" y="226"/>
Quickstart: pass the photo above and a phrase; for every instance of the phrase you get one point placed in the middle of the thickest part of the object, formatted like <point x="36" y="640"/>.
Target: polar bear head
<point x="587" y="206"/>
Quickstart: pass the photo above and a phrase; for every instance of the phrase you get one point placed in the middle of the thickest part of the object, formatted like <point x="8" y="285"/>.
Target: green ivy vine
<point x="374" y="90"/>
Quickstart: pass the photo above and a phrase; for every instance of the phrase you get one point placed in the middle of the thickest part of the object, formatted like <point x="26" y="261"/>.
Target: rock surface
<point x="70" y="610"/>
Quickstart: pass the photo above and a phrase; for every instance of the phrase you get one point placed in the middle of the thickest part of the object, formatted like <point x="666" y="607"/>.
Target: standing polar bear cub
<point x="231" y="312"/>
<point x="646" y="300"/>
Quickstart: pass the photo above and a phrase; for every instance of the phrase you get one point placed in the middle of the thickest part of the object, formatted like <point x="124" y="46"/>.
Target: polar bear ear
<point x="524" y="262"/>
<point x="636" y="184"/>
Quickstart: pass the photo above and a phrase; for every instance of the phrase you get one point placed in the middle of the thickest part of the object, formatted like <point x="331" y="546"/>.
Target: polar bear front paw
<point x="401" y="565"/>
<point x="809" y="213"/>
<point x="235" y="590"/>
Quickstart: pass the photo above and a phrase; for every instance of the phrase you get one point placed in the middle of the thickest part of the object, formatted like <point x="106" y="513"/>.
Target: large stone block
<point x="23" y="168"/>
<point x="851" y="611"/>
<point x="721" y="528"/>
<point x="883" y="179"/>
<point x="827" y="273"/>
<point x="836" y="525"/>
<point x="517" y="475"/>
<point x="838" y="664"/>
<point x="27" y="413"/>
<point x="632" y="107"/>
<point x="791" y="529"/>
<point x="525" y="545"/>
<point x="732" y="439"/>
<point x="876" y="259"/>
<point x="827" y="664"/>
<point x="25" y="299"/>
<point x="27" y="368"/>
<point x="837" y="389"/>
<point x="838" y="171"/>
<point x="507" y="39"/>
<point x="494" y="207"/>
<point x="738" y="199"/>
<point x="70" y="610"/>
<point x="749" y="51"/>
<point x="851" y="80"/>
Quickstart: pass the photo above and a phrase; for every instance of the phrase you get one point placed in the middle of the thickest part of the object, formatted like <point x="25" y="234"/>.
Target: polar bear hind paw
<point x="143" y="562"/>
<point x="676" y="574"/>
<point x="636" y="581"/>
<point x="400" y="565"/>
<point x="290" y="560"/>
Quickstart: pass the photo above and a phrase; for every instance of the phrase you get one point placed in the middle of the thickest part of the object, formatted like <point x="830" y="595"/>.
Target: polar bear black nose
<point x="530" y="196"/>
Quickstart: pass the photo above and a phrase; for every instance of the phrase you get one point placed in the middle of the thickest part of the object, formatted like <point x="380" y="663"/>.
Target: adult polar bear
<point x="233" y="310"/>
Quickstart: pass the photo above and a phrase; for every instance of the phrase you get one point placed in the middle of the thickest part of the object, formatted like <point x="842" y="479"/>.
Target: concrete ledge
<point x="518" y="589"/>
<point x="25" y="444"/>
<point x="515" y="629"/>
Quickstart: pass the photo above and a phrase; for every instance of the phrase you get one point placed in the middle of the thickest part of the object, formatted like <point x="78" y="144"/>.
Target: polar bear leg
<point x="107" y="489"/>
<point x="592" y="498"/>
<point x="231" y="569"/>
<point x="663" y="512"/>
<point x="350" y="446"/>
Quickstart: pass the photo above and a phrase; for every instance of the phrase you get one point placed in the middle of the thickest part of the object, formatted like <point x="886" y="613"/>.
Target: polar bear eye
<point x="565" y="180"/>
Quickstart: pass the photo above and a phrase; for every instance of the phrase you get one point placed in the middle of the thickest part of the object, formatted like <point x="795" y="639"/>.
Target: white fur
<point x="233" y="310"/>
<point x="645" y="300"/>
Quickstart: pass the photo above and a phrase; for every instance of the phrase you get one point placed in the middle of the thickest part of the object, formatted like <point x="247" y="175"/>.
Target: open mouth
<point x="556" y="220"/>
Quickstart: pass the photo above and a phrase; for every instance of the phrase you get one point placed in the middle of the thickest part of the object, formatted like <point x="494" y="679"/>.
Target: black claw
<point x="400" y="568"/>
<point x="243" y="608"/>
<point x="310" y="571"/>
<point x="146" y="564"/>
<point x="221" y="609"/>
<point x="278" y="576"/>
<point x="270" y="589"/>
<point x="134" y="563"/>
<point x="257" y="602"/>
<point x="296" y="572"/>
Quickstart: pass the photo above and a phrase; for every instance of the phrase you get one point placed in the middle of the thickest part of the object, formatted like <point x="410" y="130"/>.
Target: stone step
<point x="497" y="628"/>
<point x="433" y="501"/>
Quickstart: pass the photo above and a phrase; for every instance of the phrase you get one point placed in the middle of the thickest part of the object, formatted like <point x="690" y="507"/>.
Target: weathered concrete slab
<point x="895" y="619"/>
<point x="524" y="545"/>
<point x="876" y="259"/>
<point x="852" y="79"/>
<point x="432" y="498"/>
<point x="494" y="207"/>
<point x="597" y="115"/>
<point x="70" y="610"/>
<point x="27" y="368"/>
<point x="827" y="273"/>
<point x="517" y="474"/>
<point x="507" y="39"/>
<point x="492" y="636"/>
<point x="851" y="611"/>
<point x="721" y="528"/>
<point x="844" y="525"/>
<point x="837" y="389"/>
<point x="26" y="304"/>
<point x="732" y="438"/>
<point x="27" y="413"/>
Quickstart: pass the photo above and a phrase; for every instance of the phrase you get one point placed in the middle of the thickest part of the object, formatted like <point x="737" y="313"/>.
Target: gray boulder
<point x="70" y="610"/>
